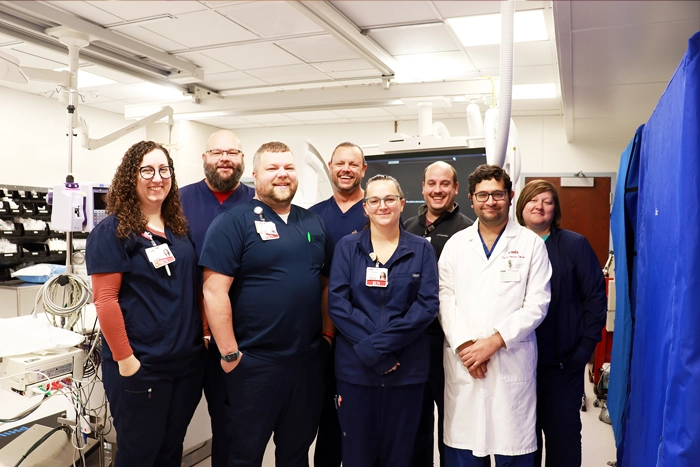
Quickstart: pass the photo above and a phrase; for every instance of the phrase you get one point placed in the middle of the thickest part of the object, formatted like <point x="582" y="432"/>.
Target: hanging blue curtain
<point x="623" y="224"/>
<point x="661" y="423"/>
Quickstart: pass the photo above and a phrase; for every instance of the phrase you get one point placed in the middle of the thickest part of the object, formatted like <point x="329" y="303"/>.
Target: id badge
<point x="376" y="277"/>
<point x="266" y="230"/>
<point x="510" y="275"/>
<point x="160" y="255"/>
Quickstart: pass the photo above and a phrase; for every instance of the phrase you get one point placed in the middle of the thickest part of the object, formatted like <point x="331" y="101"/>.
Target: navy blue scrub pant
<point x="465" y="458"/>
<point x="281" y="397"/>
<point x="379" y="424"/>
<point x="329" y="440"/>
<point x="151" y="411"/>
<point x="559" y="392"/>
<point x="423" y="451"/>
<point x="215" y="392"/>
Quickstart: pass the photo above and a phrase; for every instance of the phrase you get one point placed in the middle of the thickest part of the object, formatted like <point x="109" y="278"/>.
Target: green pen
<point x="308" y="236"/>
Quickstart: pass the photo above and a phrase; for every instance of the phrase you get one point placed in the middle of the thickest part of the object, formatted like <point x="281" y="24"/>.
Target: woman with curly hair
<point x="146" y="284"/>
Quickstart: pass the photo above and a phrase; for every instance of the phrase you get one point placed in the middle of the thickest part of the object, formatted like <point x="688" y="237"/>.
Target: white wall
<point x="34" y="145"/>
<point x="34" y="148"/>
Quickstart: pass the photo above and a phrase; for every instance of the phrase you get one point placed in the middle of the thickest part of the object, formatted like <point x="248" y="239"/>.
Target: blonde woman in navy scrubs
<point x="146" y="280"/>
<point x="383" y="294"/>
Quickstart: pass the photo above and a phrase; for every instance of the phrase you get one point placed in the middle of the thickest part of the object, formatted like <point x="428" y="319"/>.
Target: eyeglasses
<point x="483" y="196"/>
<point x="389" y="201"/>
<point x="148" y="172"/>
<point x="229" y="152"/>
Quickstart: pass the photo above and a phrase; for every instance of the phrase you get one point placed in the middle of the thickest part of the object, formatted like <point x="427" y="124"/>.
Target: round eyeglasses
<point x="148" y="172"/>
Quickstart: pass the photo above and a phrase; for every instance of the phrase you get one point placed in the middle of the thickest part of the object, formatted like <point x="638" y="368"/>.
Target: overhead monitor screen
<point x="408" y="169"/>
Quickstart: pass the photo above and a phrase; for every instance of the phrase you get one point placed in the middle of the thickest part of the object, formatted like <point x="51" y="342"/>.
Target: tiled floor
<point x="598" y="441"/>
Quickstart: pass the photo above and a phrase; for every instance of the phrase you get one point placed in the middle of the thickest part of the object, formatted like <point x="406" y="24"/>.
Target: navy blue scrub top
<point x="161" y="312"/>
<point x="276" y="291"/>
<point x="201" y="207"/>
<point x="340" y="223"/>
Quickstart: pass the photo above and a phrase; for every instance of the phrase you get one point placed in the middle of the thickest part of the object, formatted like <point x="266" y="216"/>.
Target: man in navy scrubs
<point x="343" y="215"/>
<point x="266" y="265"/>
<point x="437" y="220"/>
<point x="220" y="190"/>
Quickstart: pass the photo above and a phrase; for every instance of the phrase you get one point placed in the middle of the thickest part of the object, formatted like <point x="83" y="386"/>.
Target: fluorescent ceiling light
<point x="528" y="26"/>
<point x="534" y="91"/>
<point x="88" y="80"/>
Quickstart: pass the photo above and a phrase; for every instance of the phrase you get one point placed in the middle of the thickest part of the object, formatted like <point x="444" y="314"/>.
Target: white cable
<point x="78" y="294"/>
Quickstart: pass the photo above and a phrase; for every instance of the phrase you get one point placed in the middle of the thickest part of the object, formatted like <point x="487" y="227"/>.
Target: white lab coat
<point x="508" y="293"/>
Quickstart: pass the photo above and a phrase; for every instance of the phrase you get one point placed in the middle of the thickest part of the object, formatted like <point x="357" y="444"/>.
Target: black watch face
<point x="232" y="357"/>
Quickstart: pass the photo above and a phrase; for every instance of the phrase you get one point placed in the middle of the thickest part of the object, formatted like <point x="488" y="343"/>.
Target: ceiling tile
<point x="533" y="53"/>
<point x="201" y="29"/>
<point x="88" y="11"/>
<point x="294" y="123"/>
<point x="385" y="12"/>
<point x="130" y="11"/>
<point x="221" y="121"/>
<point x="414" y="39"/>
<point x="8" y="39"/>
<point x="248" y="57"/>
<point x="111" y="74"/>
<point x="587" y="15"/>
<point x="534" y="74"/>
<point x="346" y="75"/>
<point x="208" y="64"/>
<point x="386" y="118"/>
<point x="232" y="80"/>
<point x="271" y="19"/>
<point x="288" y="74"/>
<point x="37" y="57"/>
<point x="342" y="65"/>
<point x="317" y="49"/>
<point x="150" y="38"/>
<point x="434" y="66"/>
<point x="457" y="8"/>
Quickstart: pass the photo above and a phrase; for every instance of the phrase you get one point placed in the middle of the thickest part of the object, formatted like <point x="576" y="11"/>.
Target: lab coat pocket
<point x="455" y="371"/>
<point x="518" y="362"/>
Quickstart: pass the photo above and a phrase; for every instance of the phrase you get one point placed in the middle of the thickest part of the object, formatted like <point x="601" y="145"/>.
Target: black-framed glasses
<point x="221" y="153"/>
<point x="147" y="172"/>
<point x="389" y="201"/>
<point x="483" y="196"/>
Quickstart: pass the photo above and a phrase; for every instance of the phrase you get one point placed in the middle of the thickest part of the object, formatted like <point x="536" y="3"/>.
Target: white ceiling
<point x="277" y="63"/>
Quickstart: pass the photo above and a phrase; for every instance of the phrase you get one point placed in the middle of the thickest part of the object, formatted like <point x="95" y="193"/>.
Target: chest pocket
<point x="511" y="274"/>
<point x="317" y="250"/>
<point x="404" y="287"/>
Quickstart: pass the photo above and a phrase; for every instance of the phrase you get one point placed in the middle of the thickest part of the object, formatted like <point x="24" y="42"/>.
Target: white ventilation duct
<point x="475" y="125"/>
<point x="498" y="155"/>
<point x="425" y="118"/>
<point x="440" y="130"/>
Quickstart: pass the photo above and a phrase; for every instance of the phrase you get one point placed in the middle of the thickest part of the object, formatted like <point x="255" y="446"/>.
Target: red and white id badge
<point x="160" y="255"/>
<point x="266" y="230"/>
<point x="376" y="277"/>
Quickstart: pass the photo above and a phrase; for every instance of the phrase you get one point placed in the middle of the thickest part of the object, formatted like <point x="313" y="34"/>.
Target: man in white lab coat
<point x="494" y="292"/>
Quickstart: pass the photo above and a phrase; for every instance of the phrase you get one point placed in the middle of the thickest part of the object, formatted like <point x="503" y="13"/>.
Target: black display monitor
<point x="408" y="169"/>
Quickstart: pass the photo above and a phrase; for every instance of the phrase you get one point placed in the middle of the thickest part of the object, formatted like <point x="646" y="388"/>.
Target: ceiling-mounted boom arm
<point x="92" y="144"/>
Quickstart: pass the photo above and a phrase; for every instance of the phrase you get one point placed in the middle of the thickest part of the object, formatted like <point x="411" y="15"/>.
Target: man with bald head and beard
<point x="220" y="190"/>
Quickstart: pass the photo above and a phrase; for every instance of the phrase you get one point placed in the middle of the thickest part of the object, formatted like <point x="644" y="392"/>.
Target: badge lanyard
<point x="159" y="255"/>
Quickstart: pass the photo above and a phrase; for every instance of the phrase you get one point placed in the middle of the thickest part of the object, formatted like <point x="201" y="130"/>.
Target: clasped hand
<point x="475" y="355"/>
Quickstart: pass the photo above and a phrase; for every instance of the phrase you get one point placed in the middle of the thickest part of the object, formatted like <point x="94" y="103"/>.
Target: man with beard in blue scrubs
<point x="266" y="266"/>
<point x="220" y="190"/>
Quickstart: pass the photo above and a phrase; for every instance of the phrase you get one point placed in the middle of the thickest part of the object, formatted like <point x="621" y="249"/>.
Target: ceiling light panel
<point x="89" y="80"/>
<point x="145" y="9"/>
<point x="88" y="11"/>
<point x="317" y="49"/>
<point x="201" y="29"/>
<point x="271" y="19"/>
<point x="414" y="39"/>
<point x="534" y="91"/>
<point x="486" y="29"/>
<point x="248" y="57"/>
<point x="385" y="12"/>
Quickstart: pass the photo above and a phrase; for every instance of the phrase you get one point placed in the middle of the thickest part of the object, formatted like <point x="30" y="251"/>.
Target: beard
<point x="223" y="183"/>
<point x="335" y="179"/>
<point x="272" y="197"/>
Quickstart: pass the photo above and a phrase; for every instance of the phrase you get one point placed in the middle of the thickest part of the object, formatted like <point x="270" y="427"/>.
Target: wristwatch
<point x="232" y="357"/>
